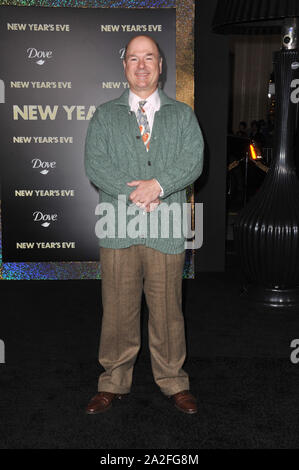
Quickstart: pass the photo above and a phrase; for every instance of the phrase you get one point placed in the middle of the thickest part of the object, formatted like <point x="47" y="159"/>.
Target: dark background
<point x="211" y="107"/>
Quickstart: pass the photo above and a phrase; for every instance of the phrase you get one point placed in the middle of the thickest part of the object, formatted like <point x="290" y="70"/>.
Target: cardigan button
<point x="149" y="163"/>
<point x="138" y="136"/>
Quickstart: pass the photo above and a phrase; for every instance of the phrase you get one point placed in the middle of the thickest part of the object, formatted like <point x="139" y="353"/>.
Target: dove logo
<point x="39" y="57"/>
<point x="2" y="352"/>
<point x="2" y="92"/>
<point x="43" y="167"/>
<point x="44" y="219"/>
<point x="122" y="53"/>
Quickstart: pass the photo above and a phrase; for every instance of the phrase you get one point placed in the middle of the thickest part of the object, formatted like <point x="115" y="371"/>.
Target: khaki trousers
<point x="125" y="273"/>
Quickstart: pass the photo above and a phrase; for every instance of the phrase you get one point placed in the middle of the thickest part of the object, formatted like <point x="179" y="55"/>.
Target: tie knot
<point x="142" y="103"/>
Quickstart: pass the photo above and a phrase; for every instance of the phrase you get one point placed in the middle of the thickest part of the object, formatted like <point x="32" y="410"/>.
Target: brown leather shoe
<point x="101" y="402"/>
<point x="185" y="401"/>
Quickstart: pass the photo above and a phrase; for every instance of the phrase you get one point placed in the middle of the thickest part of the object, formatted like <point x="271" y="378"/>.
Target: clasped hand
<point x="146" y="194"/>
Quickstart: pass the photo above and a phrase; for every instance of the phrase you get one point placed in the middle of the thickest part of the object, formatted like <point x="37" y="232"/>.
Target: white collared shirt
<point x="151" y="106"/>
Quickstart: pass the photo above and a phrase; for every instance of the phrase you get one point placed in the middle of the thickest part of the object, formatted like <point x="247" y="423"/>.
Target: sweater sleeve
<point x="98" y="165"/>
<point x="186" y="166"/>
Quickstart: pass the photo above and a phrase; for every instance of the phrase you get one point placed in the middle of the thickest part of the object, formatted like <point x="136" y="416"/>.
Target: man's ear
<point x="160" y="65"/>
<point x="124" y="64"/>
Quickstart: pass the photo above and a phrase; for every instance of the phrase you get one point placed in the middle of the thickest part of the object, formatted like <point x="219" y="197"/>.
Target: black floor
<point x="238" y="362"/>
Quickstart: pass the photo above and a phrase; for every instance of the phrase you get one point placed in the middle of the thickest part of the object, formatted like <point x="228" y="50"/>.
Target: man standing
<point x="142" y="149"/>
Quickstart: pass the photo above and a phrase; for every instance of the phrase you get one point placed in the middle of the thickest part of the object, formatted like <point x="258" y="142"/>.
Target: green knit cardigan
<point x="115" y="154"/>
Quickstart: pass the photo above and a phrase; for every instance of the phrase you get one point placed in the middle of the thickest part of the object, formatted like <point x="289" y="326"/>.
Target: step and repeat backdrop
<point x="57" y="66"/>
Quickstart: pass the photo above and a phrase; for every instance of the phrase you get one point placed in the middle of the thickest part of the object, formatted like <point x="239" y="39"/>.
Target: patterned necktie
<point x="143" y="124"/>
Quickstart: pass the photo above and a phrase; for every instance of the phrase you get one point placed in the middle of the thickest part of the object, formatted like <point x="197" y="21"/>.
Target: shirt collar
<point x="123" y="99"/>
<point x="152" y="101"/>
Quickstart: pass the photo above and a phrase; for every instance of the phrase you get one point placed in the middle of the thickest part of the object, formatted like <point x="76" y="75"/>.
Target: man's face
<point x="142" y="66"/>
